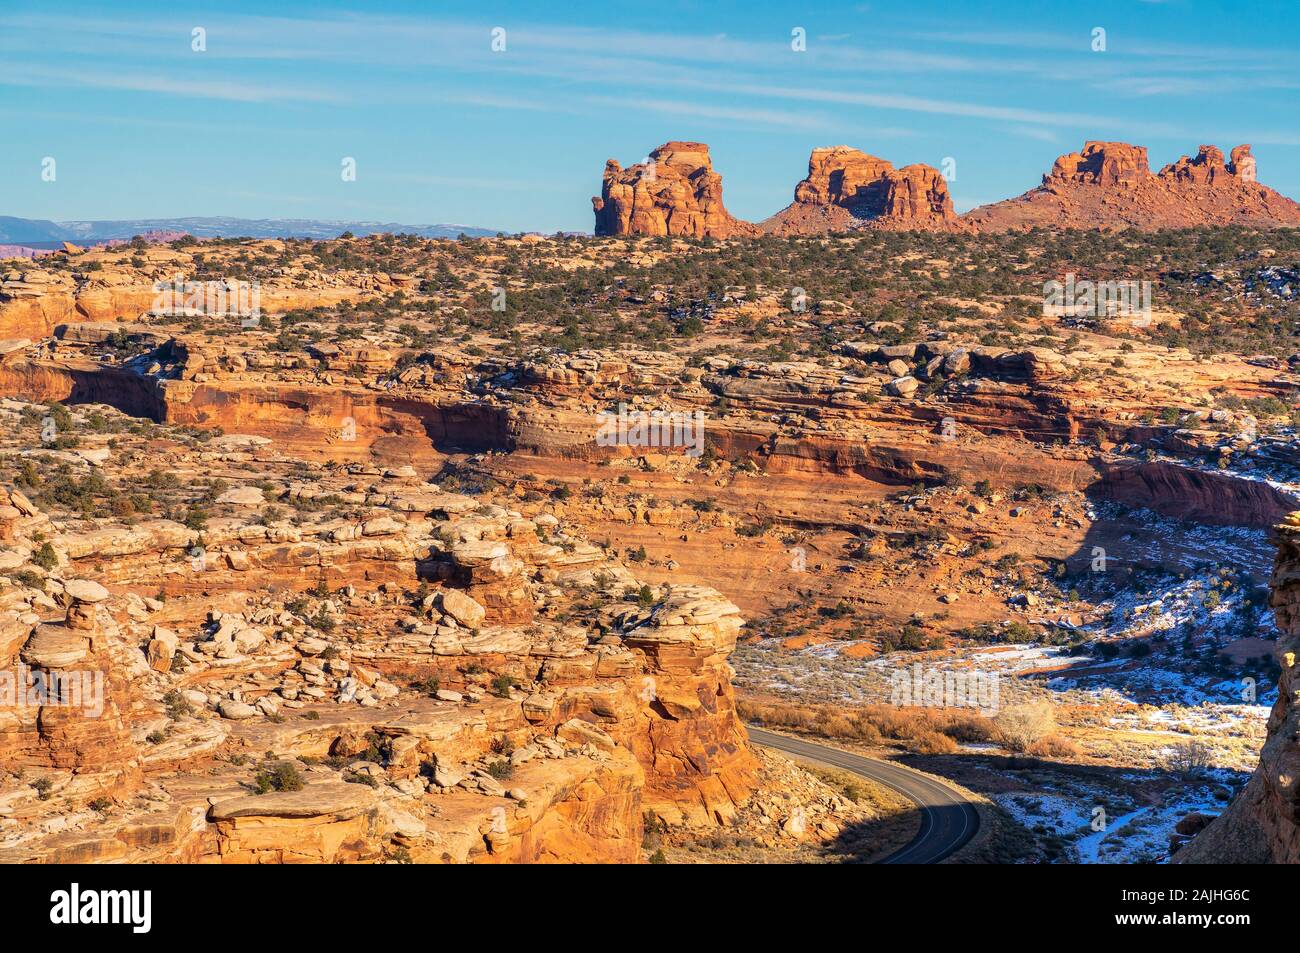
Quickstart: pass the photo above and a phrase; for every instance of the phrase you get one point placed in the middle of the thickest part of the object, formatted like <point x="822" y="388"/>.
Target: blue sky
<point x="443" y="129"/>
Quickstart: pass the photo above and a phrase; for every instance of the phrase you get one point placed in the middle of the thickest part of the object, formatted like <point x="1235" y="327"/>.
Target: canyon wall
<point x="1262" y="825"/>
<point x="1196" y="494"/>
<point x="603" y="719"/>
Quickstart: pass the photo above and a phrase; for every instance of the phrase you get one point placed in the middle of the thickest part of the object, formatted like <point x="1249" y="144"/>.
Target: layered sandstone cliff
<point x="33" y="303"/>
<point x="848" y="189"/>
<point x="1262" y="825"/>
<point x="567" y="700"/>
<point x="1110" y="184"/>
<point x="675" y="192"/>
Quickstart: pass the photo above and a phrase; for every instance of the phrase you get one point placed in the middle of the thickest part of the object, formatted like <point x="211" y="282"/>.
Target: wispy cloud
<point x="1034" y="132"/>
<point x="574" y="79"/>
<point x="539" y="184"/>
<point x="784" y="119"/>
<point x="917" y="104"/>
<point x="232" y="90"/>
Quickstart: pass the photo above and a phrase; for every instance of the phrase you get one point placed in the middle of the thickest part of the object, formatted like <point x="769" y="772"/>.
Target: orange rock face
<point x="1262" y="825"/>
<point x="77" y="720"/>
<point x="1207" y="168"/>
<point x="1102" y="163"/>
<point x="1243" y="163"/>
<point x="1110" y="184"/>
<point x="1105" y="184"/>
<point x="847" y="189"/>
<point x="676" y="192"/>
<point x="918" y="194"/>
<point x="843" y="176"/>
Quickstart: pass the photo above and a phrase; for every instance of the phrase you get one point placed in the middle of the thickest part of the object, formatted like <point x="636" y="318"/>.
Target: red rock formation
<point x="1105" y="184"/>
<point x="68" y="700"/>
<point x="847" y="189"/>
<point x="1243" y="163"/>
<point x="918" y="194"/>
<point x="1208" y="168"/>
<point x="676" y="192"/>
<point x="1102" y="163"/>
<point x="843" y="176"/>
<point x="1262" y="825"/>
<point x="1110" y="184"/>
<point x="1190" y="493"/>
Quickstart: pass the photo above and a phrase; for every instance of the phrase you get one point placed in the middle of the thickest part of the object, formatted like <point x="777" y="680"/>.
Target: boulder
<point x="464" y="609"/>
<point x="903" y="387"/>
<point x="161" y="649"/>
<point x="236" y="711"/>
<point x="242" y="496"/>
<point x="84" y="590"/>
<point x="54" y="646"/>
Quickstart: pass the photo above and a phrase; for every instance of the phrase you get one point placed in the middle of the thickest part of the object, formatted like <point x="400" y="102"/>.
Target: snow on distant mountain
<point x="26" y="230"/>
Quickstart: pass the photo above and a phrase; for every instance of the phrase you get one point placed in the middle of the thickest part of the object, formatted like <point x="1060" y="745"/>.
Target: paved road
<point x="948" y="820"/>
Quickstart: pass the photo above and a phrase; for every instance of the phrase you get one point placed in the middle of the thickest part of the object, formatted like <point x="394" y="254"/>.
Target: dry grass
<point x="1054" y="746"/>
<point x="924" y="730"/>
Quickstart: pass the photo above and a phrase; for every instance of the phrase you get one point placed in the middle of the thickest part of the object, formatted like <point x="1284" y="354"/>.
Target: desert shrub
<point x="196" y="518"/>
<point x="866" y="732"/>
<point x="1054" y="746"/>
<point x="781" y="716"/>
<point x="653" y="830"/>
<point x="838" y="726"/>
<point x="45" y="557"/>
<point x="25" y="577"/>
<point x="1020" y="726"/>
<point x="284" y="776"/>
<point x="176" y="704"/>
<point x="322" y="621"/>
<point x="872" y="724"/>
<point x="427" y="686"/>
<point x="969" y="729"/>
<point x="891" y="722"/>
<point x="1190" y="758"/>
<point x="502" y="684"/>
<point x="931" y="742"/>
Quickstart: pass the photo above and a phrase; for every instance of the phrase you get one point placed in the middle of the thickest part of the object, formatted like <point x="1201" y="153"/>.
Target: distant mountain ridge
<point x="20" y="231"/>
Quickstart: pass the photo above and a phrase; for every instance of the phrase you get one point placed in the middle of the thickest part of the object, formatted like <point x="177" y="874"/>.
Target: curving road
<point x="948" y="819"/>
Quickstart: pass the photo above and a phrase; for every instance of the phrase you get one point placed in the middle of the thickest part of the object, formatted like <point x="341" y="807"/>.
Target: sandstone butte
<point x="847" y="189"/>
<point x="1107" y="184"/>
<point x="1110" y="184"/>
<point x="675" y="192"/>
